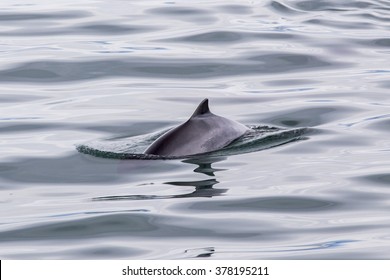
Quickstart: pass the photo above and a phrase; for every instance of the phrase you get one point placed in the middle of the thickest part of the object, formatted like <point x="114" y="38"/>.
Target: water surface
<point x="108" y="72"/>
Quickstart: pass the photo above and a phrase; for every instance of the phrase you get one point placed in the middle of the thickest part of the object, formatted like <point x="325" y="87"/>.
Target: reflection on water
<point x="199" y="253"/>
<point x="203" y="188"/>
<point x="204" y="164"/>
<point x="108" y="77"/>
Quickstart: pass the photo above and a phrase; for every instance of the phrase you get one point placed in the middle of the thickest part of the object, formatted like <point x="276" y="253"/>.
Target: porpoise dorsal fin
<point x="203" y="108"/>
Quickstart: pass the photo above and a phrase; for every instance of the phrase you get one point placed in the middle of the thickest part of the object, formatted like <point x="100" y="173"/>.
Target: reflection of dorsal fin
<point x="203" y="108"/>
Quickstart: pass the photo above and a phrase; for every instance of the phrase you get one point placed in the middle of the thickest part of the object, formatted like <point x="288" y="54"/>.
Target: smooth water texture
<point x="312" y="76"/>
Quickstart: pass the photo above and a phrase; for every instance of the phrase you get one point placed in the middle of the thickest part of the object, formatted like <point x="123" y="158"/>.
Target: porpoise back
<point x="203" y="132"/>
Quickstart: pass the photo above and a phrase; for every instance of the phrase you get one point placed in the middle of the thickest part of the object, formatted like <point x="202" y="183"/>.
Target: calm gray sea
<point x="110" y="71"/>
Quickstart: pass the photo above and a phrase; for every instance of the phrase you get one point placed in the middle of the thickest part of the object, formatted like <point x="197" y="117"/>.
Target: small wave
<point x="258" y="138"/>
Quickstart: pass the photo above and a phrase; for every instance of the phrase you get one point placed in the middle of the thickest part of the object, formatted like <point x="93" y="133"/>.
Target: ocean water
<point x="111" y="75"/>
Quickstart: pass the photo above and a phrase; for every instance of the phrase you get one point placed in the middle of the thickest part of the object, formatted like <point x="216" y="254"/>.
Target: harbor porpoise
<point x="203" y="132"/>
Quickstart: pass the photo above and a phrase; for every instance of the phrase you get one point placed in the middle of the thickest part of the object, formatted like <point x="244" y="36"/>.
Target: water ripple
<point x="97" y="28"/>
<point x="223" y="37"/>
<point x="268" y="204"/>
<point x="52" y="71"/>
<point x="121" y="225"/>
<point x="63" y="15"/>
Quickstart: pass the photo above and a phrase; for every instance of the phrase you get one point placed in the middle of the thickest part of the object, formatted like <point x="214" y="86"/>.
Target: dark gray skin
<point x="203" y="132"/>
